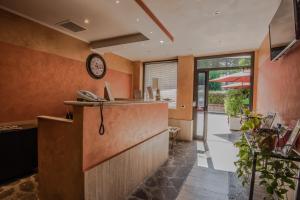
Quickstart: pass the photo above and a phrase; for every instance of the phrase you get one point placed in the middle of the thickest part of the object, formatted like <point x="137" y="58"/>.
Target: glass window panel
<point x="166" y="73"/>
<point x="201" y="90"/>
<point x="221" y="62"/>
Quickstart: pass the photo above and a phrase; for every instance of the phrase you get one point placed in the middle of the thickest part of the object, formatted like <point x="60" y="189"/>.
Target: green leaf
<point x="283" y="191"/>
<point x="270" y="189"/>
<point x="274" y="184"/>
<point x="294" y="166"/>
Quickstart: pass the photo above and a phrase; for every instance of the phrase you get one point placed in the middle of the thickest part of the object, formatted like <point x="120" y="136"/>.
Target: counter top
<point x="19" y="125"/>
<point x="111" y="103"/>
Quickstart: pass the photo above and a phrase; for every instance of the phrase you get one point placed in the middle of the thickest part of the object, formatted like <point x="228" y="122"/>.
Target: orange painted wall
<point x="185" y="86"/>
<point x="41" y="67"/>
<point x="137" y="76"/>
<point x="278" y="83"/>
<point x="129" y="120"/>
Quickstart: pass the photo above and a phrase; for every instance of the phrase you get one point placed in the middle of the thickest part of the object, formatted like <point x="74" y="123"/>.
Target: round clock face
<point x="96" y="66"/>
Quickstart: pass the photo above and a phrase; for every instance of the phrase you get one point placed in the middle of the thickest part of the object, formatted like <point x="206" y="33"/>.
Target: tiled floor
<point x="194" y="171"/>
<point x="167" y="181"/>
<point x="207" y="183"/>
<point x="23" y="189"/>
<point x="193" y="181"/>
<point x="181" y="177"/>
<point x="210" y="173"/>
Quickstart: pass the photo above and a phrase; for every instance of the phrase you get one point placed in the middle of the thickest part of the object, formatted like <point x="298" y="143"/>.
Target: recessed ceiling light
<point x="117" y="2"/>
<point x="137" y="19"/>
<point x="151" y="32"/>
<point x="161" y="42"/>
<point x="86" y="21"/>
<point x="217" y="12"/>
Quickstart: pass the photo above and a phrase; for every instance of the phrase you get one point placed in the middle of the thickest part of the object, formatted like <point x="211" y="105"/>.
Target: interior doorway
<point x="215" y="79"/>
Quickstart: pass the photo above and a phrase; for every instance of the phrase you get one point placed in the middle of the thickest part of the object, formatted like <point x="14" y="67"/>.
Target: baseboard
<point x="186" y="126"/>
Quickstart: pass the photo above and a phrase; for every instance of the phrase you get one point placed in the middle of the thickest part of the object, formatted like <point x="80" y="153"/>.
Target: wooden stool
<point x="173" y="131"/>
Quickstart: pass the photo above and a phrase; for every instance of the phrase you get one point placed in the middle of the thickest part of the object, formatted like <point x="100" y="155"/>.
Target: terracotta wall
<point x="184" y="110"/>
<point x="41" y="67"/>
<point x="137" y="79"/>
<point x="120" y="120"/>
<point x="278" y="83"/>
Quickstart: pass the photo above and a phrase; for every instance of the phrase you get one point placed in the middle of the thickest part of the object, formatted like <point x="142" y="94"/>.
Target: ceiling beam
<point x="123" y="39"/>
<point x="155" y="19"/>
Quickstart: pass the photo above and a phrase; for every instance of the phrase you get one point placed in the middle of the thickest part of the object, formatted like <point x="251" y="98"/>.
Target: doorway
<point x="210" y="93"/>
<point x="211" y="127"/>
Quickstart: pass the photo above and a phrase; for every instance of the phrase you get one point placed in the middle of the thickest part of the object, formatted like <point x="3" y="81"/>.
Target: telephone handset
<point x="88" y="96"/>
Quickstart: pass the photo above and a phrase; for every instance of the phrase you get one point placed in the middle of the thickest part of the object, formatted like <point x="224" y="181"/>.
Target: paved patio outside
<point x="219" y="151"/>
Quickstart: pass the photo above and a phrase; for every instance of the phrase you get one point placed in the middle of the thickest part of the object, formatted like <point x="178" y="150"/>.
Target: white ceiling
<point x="240" y="26"/>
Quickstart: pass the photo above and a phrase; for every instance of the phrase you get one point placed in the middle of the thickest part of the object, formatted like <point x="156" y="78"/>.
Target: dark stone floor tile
<point x="158" y="194"/>
<point x="169" y="171"/>
<point x="169" y="193"/>
<point x="182" y="171"/>
<point x="159" y="173"/>
<point x="168" y="179"/>
<point x="163" y="182"/>
<point x="27" y="186"/>
<point x="7" y="193"/>
<point x="177" y="182"/>
<point x="151" y="182"/>
<point x="140" y="193"/>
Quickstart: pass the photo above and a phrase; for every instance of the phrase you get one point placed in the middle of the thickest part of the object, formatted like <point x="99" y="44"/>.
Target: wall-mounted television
<point x="284" y="28"/>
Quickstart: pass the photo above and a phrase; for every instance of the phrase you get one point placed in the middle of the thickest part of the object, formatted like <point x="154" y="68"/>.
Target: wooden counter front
<point x="125" y="127"/>
<point x="67" y="149"/>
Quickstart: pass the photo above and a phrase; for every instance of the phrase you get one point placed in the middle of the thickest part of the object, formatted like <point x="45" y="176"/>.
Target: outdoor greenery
<point x="275" y="175"/>
<point x="215" y="86"/>
<point x="234" y="61"/>
<point x="216" y="97"/>
<point x="235" y="101"/>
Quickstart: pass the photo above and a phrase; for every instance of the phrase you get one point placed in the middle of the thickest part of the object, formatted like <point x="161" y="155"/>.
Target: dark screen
<point x="282" y="28"/>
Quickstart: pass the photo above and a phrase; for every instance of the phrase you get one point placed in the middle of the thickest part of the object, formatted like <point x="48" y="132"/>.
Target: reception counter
<point x="76" y="162"/>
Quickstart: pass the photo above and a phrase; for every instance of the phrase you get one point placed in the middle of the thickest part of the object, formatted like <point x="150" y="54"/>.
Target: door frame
<point x="207" y="70"/>
<point x="195" y="106"/>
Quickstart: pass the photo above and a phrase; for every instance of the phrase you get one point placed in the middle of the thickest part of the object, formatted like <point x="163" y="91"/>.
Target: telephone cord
<point x="101" y="128"/>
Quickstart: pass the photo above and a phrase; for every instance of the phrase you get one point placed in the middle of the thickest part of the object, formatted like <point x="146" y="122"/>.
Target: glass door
<point x="200" y="110"/>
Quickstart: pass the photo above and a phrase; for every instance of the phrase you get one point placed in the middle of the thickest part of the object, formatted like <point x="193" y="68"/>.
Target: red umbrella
<point x="236" y="77"/>
<point x="236" y="86"/>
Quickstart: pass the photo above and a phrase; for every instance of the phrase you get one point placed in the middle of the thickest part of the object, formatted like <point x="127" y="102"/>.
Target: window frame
<point x="251" y="67"/>
<point x="251" y="53"/>
<point x="156" y="62"/>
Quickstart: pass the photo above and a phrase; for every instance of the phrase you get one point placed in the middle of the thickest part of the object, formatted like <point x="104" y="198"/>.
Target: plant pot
<point x="235" y="123"/>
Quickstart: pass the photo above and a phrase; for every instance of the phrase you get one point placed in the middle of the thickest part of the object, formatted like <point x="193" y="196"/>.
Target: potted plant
<point x="234" y="103"/>
<point x="276" y="176"/>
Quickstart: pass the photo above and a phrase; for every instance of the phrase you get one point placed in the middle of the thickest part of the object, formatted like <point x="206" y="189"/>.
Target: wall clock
<point x="96" y="66"/>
